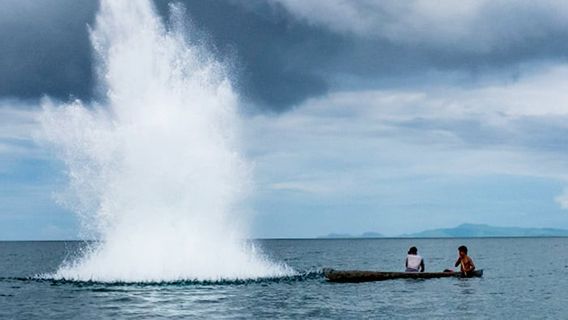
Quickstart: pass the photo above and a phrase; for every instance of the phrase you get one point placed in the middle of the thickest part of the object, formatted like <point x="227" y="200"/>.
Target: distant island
<point x="347" y="236"/>
<point x="484" y="230"/>
<point x="466" y="230"/>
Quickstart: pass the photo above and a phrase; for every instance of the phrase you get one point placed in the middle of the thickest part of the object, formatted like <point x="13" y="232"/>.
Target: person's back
<point x="414" y="262"/>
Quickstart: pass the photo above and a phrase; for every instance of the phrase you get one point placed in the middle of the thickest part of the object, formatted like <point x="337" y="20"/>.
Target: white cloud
<point x="17" y="121"/>
<point x="18" y="126"/>
<point x="300" y="186"/>
<point x="345" y="142"/>
<point x="562" y="199"/>
<point x="470" y="25"/>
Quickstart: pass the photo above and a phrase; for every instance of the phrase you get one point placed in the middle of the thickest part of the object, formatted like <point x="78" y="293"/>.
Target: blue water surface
<point x="525" y="278"/>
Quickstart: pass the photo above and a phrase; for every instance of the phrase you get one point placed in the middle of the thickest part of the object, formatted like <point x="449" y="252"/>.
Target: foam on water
<point x="154" y="171"/>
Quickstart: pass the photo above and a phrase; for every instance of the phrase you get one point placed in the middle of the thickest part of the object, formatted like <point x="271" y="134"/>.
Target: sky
<point x="383" y="116"/>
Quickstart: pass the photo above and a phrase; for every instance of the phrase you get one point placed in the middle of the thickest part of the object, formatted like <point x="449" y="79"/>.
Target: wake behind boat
<point x="366" y="276"/>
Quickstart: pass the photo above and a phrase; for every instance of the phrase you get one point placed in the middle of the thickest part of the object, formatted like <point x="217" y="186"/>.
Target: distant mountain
<point x="483" y="230"/>
<point x="371" y="235"/>
<point x="466" y="230"/>
<point x="337" y="236"/>
<point x="346" y="235"/>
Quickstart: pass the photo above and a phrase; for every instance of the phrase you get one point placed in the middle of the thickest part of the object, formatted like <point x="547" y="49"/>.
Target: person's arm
<point x="422" y="266"/>
<point x="457" y="262"/>
<point x="406" y="263"/>
<point x="471" y="265"/>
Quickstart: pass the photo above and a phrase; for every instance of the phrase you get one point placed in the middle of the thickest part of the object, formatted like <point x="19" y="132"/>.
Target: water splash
<point x="154" y="171"/>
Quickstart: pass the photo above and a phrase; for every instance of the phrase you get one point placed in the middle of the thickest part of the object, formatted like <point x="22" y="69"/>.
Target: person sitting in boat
<point x="464" y="261"/>
<point x="414" y="262"/>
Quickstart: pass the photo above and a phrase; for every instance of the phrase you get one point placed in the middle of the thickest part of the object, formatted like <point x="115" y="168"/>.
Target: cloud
<point x="44" y="48"/>
<point x="18" y="126"/>
<point x="273" y="58"/>
<point x="17" y="120"/>
<point x="471" y="25"/>
<point x="562" y="199"/>
<point x="300" y="186"/>
<point x="19" y="153"/>
<point x="346" y="142"/>
<point x="283" y="52"/>
<point x="368" y="104"/>
<point x="375" y="159"/>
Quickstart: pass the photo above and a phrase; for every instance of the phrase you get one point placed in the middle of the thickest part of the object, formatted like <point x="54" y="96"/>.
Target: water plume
<point x="154" y="170"/>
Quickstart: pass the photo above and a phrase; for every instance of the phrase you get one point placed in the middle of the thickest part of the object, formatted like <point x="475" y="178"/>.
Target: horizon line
<point x="319" y="238"/>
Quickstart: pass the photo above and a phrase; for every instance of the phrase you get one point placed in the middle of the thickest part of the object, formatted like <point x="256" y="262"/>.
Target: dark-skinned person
<point x="414" y="262"/>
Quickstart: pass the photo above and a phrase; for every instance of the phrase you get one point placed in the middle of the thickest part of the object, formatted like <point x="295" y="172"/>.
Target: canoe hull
<point x="366" y="276"/>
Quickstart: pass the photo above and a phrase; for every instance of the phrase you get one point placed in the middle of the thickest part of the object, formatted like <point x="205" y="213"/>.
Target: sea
<point x="524" y="278"/>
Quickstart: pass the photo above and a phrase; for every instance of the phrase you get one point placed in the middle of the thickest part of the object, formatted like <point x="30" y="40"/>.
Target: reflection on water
<point x="465" y="286"/>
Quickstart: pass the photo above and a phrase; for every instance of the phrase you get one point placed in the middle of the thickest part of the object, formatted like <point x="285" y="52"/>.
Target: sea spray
<point x="154" y="170"/>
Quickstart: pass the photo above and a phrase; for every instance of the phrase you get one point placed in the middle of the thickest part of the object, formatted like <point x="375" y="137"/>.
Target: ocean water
<point x="525" y="278"/>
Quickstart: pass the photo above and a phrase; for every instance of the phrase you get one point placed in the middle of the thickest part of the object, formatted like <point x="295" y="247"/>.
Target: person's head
<point x="413" y="250"/>
<point x="462" y="251"/>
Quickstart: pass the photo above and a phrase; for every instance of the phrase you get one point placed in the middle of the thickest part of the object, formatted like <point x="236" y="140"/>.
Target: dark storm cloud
<point x="44" y="48"/>
<point x="280" y="59"/>
<point x="283" y="59"/>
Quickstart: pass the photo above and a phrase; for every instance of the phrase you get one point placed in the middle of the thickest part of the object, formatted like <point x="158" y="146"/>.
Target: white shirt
<point x="413" y="261"/>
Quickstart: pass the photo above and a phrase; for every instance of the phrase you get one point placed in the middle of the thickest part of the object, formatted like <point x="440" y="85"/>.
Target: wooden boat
<point x="365" y="276"/>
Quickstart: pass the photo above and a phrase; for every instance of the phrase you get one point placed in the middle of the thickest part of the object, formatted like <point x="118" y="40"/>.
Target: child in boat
<point x="464" y="261"/>
<point x="414" y="262"/>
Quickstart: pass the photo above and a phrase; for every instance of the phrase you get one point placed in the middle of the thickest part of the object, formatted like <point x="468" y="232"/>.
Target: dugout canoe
<point x="365" y="276"/>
